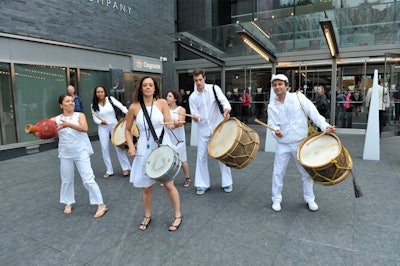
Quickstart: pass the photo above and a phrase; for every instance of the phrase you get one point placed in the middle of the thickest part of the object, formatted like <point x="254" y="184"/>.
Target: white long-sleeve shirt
<point x="107" y="112"/>
<point x="205" y="106"/>
<point x="291" y="120"/>
<point x="383" y="98"/>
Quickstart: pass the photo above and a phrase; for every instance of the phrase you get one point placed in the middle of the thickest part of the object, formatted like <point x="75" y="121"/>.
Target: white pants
<point x="202" y="176"/>
<point x="67" y="171"/>
<point x="282" y="157"/>
<point x="104" y="137"/>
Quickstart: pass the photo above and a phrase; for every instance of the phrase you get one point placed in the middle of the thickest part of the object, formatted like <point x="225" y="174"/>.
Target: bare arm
<point x="130" y="117"/>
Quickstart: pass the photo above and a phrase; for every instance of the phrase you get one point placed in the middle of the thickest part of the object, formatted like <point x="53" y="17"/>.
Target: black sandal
<point x="146" y="219"/>
<point x="175" y="226"/>
<point x="187" y="182"/>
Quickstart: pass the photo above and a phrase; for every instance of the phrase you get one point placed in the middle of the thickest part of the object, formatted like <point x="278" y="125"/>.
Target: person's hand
<point x="132" y="151"/>
<point x="63" y="124"/>
<point x="227" y="115"/>
<point x="279" y="133"/>
<point x="178" y="123"/>
<point x="330" y="129"/>
<point x="104" y="122"/>
<point x="171" y="126"/>
<point x="196" y="118"/>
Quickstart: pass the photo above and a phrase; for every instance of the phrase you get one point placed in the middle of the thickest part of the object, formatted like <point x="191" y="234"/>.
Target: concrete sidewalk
<point x="218" y="228"/>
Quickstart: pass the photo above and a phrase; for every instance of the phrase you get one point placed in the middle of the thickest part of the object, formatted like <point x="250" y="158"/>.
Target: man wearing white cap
<point x="286" y="115"/>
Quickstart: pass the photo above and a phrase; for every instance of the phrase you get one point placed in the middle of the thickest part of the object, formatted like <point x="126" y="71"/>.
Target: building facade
<point x="47" y="45"/>
<point x="290" y="33"/>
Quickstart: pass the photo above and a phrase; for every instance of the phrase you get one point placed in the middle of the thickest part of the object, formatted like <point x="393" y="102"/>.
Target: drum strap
<point x="218" y="102"/>
<point x="153" y="132"/>
<point x="311" y="129"/>
<point x="118" y="113"/>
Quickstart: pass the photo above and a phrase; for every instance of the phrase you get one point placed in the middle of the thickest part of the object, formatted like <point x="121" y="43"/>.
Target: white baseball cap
<point x="280" y="77"/>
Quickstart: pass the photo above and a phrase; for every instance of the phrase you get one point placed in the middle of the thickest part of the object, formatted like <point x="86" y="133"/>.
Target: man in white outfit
<point x="287" y="114"/>
<point x="206" y="113"/>
<point x="383" y="103"/>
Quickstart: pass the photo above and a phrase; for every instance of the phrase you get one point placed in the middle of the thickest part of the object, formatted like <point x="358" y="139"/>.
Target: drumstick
<point x="96" y="115"/>
<point x="184" y="114"/>
<point x="265" y="125"/>
<point x="311" y="140"/>
<point x="167" y="123"/>
<point x="320" y="135"/>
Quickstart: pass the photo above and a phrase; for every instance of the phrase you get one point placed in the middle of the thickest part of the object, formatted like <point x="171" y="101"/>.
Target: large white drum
<point x="324" y="158"/>
<point x="234" y="143"/>
<point x="163" y="164"/>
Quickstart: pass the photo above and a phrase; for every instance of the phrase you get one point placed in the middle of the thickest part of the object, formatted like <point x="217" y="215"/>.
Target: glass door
<point x="391" y="82"/>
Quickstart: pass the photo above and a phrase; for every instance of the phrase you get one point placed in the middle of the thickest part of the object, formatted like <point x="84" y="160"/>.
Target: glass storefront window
<point x="37" y="90"/>
<point x="89" y="80"/>
<point x="7" y="133"/>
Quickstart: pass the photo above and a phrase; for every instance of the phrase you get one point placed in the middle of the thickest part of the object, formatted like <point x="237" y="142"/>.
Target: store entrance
<point x="392" y="78"/>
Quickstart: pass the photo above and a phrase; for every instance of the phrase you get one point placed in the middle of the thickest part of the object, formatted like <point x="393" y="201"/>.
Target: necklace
<point x="147" y="129"/>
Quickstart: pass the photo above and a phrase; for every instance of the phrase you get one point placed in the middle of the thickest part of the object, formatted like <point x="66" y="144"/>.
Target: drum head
<point x="223" y="138"/>
<point x="118" y="135"/>
<point x="160" y="162"/>
<point x="319" y="150"/>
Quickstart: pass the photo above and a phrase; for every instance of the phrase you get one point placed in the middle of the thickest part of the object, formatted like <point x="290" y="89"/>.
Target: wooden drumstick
<point x="320" y="135"/>
<point x="168" y="123"/>
<point x="184" y="114"/>
<point x="313" y="139"/>
<point x="265" y="125"/>
<point x="96" y="115"/>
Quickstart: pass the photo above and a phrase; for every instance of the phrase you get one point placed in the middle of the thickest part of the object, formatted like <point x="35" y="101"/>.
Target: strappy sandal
<point x="107" y="175"/>
<point x="100" y="213"/>
<point x="187" y="182"/>
<point x="68" y="209"/>
<point x="173" y="227"/>
<point x="146" y="222"/>
<point x="125" y="173"/>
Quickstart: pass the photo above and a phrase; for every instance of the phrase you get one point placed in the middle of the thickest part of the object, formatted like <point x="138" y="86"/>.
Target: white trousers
<point x="282" y="157"/>
<point x="202" y="176"/>
<point x="67" y="171"/>
<point x="104" y="137"/>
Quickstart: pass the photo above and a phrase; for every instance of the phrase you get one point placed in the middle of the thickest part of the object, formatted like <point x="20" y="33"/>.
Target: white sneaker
<point x="312" y="206"/>
<point x="276" y="206"/>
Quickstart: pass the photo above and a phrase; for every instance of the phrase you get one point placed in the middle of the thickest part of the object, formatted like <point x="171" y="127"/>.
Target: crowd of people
<point x="160" y="122"/>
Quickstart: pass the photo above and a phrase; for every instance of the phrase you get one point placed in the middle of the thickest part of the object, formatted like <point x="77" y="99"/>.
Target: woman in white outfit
<point x="74" y="147"/>
<point x="104" y="116"/>
<point x="177" y="135"/>
<point x="148" y="94"/>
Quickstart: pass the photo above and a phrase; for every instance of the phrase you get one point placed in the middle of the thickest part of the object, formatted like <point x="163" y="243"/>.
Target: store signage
<point x="147" y="64"/>
<point x="114" y="5"/>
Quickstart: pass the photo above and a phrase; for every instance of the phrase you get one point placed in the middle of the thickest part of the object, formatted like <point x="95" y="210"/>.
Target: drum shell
<point x="169" y="158"/>
<point x="242" y="151"/>
<point x="331" y="173"/>
<point x="118" y="135"/>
